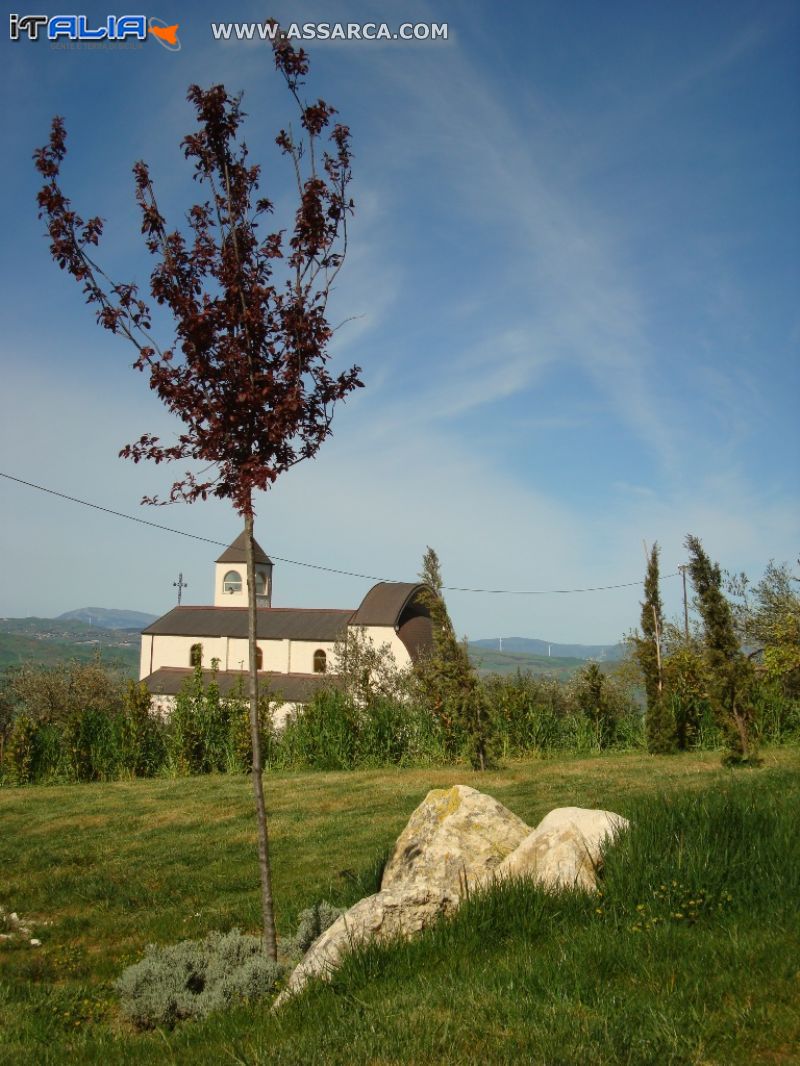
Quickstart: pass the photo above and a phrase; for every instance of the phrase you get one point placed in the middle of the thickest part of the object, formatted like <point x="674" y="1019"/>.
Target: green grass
<point x="517" y="976"/>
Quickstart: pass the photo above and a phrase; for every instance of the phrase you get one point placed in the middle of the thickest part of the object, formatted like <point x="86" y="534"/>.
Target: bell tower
<point x="230" y="577"/>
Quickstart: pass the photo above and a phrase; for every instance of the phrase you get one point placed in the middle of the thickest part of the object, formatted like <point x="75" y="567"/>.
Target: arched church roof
<point x="385" y="602"/>
<point x="235" y="553"/>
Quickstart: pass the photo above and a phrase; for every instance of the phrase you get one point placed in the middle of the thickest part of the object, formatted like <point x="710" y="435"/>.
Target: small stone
<point x="35" y="943"/>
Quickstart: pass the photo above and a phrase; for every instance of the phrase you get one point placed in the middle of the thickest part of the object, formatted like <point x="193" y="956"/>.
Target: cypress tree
<point x="447" y="676"/>
<point x="732" y="674"/>
<point x="659" y="719"/>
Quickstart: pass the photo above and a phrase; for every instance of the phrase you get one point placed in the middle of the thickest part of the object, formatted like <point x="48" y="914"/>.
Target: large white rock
<point x="454" y="839"/>
<point x="459" y="838"/>
<point x="385" y="915"/>
<point x="565" y="850"/>
<point x="451" y="841"/>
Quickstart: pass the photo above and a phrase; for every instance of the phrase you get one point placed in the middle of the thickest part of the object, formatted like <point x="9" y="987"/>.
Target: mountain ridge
<point x="108" y="617"/>
<point x="550" y="648"/>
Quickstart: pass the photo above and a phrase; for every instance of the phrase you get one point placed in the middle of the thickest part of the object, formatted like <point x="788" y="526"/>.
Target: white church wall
<point x="303" y="655"/>
<point x="227" y="598"/>
<point x="144" y="656"/>
<point x="274" y="654"/>
<point x="380" y="635"/>
<point x="177" y="651"/>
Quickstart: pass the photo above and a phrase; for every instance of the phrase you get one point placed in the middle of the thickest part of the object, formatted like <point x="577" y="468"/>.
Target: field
<point x="690" y="956"/>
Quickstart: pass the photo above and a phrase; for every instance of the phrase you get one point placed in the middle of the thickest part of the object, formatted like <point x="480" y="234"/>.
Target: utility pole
<point x="683" y="568"/>
<point x="180" y="585"/>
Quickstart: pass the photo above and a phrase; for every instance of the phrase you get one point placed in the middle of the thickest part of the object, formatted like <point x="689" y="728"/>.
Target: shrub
<point x="21" y="751"/>
<point x="142" y="733"/>
<point x="526" y="713"/>
<point x="321" y="736"/>
<point x="595" y="701"/>
<point x="194" y="978"/>
<point x="333" y="732"/>
<point x="312" y="923"/>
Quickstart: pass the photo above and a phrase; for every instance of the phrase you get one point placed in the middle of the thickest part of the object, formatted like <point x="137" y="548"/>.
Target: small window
<point x="196" y="655"/>
<point x="320" y="661"/>
<point x="232" y="582"/>
<point x="261" y="583"/>
<point x="259" y="659"/>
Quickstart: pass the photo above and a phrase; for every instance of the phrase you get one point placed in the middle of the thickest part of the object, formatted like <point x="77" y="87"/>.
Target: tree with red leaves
<point x="246" y="371"/>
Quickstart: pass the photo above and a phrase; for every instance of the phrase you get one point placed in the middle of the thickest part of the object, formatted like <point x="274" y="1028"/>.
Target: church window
<point x="259" y="659"/>
<point x="196" y="655"/>
<point x="320" y="661"/>
<point x="232" y="582"/>
<point x="261" y="583"/>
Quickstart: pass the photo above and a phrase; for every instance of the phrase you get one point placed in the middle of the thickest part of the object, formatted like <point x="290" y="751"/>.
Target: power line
<point x="312" y="566"/>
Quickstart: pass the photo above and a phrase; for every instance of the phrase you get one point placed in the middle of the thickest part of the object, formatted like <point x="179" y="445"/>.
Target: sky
<point x="571" y="286"/>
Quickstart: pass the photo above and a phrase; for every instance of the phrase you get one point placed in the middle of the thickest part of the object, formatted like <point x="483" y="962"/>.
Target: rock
<point x="452" y="839"/>
<point x="456" y="839"/>
<point x="383" y="916"/>
<point x="35" y="943"/>
<point x="565" y="849"/>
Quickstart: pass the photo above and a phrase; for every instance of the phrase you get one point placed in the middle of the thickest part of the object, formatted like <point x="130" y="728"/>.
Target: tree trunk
<point x="744" y="739"/>
<point x="267" y="912"/>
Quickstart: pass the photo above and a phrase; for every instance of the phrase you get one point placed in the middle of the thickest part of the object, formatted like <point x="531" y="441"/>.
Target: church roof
<point x="294" y="688"/>
<point x="235" y="553"/>
<point x="385" y="602"/>
<point x="273" y="623"/>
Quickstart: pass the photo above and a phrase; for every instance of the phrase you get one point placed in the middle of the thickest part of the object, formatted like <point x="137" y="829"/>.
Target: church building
<point x="295" y="644"/>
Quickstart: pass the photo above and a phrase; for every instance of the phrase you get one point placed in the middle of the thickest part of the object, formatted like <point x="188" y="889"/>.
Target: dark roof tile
<point x="235" y="553"/>
<point x="274" y="623"/>
<point x="385" y="602"/>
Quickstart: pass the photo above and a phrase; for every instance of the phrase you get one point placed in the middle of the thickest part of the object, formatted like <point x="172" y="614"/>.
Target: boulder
<point x="459" y="838"/>
<point x="565" y="850"/>
<point x="385" y="915"/>
<point x="455" y="837"/>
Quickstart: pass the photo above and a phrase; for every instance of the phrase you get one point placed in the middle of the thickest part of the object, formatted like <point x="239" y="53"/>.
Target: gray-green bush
<point x="194" y="978"/>
<point x="312" y="922"/>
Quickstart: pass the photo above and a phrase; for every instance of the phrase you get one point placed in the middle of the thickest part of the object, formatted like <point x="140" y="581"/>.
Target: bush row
<point x="115" y="734"/>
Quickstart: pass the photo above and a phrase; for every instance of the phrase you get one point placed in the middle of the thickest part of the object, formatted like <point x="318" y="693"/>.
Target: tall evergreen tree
<point x="448" y="679"/>
<point x="731" y="672"/>
<point x="659" y="721"/>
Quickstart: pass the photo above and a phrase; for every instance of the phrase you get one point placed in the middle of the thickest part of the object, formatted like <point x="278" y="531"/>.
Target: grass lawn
<point x="692" y="954"/>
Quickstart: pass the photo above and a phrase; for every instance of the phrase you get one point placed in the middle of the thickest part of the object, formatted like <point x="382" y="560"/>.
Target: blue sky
<point x="573" y="270"/>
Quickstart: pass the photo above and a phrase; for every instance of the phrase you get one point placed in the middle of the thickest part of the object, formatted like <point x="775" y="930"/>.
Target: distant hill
<point x="48" y="641"/>
<point x="108" y="618"/>
<point x="491" y="661"/>
<point x="532" y="646"/>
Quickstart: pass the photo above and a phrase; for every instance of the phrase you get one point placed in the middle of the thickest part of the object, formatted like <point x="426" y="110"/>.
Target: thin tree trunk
<point x="744" y="739"/>
<point x="268" y="914"/>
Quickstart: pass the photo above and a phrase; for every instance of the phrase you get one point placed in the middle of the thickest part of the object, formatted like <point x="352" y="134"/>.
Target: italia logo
<point x="79" y="28"/>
